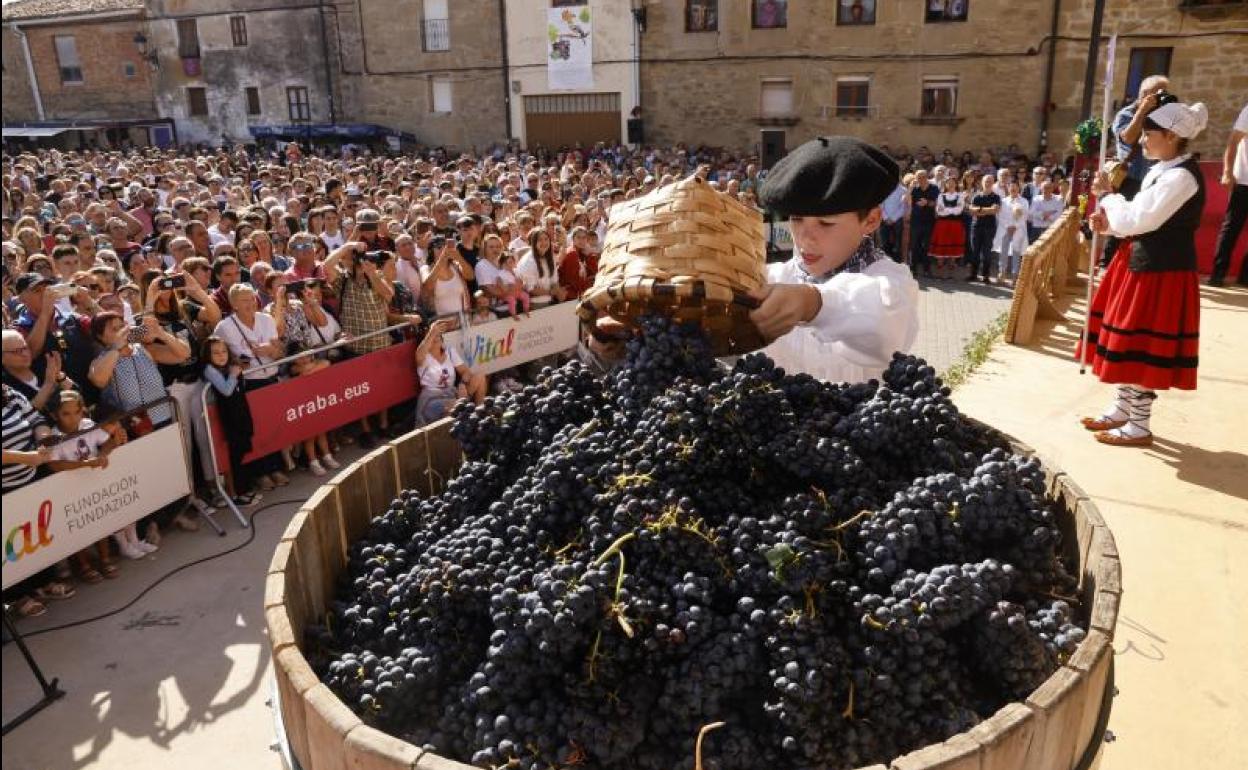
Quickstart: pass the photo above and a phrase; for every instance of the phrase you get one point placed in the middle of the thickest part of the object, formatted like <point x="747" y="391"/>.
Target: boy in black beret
<point x="840" y="307"/>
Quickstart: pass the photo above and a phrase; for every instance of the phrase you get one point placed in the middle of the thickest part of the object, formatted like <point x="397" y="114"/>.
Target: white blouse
<point x="865" y="318"/>
<point x="1165" y="189"/>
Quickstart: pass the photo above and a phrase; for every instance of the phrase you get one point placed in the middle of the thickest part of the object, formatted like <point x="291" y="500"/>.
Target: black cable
<point x="251" y="536"/>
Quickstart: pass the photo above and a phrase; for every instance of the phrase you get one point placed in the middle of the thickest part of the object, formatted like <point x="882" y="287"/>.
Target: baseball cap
<point x="27" y="281"/>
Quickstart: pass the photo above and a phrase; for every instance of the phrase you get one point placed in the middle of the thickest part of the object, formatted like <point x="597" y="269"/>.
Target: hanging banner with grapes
<point x="569" y="49"/>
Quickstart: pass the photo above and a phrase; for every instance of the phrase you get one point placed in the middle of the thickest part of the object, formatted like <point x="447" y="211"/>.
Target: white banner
<point x="61" y="514"/>
<point x="569" y="49"/>
<point x="502" y="344"/>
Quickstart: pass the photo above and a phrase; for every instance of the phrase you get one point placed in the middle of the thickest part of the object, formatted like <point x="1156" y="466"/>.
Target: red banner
<point x="1216" y="199"/>
<point x="303" y="407"/>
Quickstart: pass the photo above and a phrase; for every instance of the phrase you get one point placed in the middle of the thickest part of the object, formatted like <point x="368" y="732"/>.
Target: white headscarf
<point x="1185" y="120"/>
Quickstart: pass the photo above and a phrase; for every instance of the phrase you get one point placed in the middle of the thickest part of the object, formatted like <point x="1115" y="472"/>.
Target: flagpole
<point x="1094" y="257"/>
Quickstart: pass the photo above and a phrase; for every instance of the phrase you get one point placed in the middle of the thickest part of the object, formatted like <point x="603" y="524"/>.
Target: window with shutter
<point x="188" y="38"/>
<point x="67" y="59"/>
<point x="297" y="104"/>
<point x="197" y="100"/>
<point x="777" y="98"/>
<point x="440" y="88"/>
<point x="238" y="30"/>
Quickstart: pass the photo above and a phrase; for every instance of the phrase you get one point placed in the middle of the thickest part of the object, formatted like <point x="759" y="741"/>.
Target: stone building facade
<point x="225" y="66"/>
<point x="87" y="67"/>
<point x="433" y="68"/>
<point x="892" y="73"/>
<point x="550" y="117"/>
<point x="1202" y="46"/>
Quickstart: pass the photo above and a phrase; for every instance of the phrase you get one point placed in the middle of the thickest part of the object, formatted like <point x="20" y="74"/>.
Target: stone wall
<point x="116" y="82"/>
<point x="387" y="75"/>
<point x="705" y="86"/>
<point x="18" y="104"/>
<point x="283" y="50"/>
<point x="1209" y="62"/>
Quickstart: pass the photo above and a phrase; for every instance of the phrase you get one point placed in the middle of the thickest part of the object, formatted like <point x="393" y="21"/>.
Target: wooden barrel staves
<point x="1058" y="727"/>
<point x="687" y="252"/>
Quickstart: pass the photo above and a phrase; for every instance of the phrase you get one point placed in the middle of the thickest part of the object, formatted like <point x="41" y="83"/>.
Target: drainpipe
<point x="502" y="22"/>
<point x="30" y="71"/>
<point x="329" y="80"/>
<point x="1094" y="50"/>
<point x="1048" y="78"/>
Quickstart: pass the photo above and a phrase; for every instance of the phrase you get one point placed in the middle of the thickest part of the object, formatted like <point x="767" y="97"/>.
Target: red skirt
<point x="948" y="238"/>
<point x="1144" y="328"/>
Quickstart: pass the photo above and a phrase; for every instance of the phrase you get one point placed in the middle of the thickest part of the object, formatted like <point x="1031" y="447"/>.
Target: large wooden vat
<point x="1059" y="727"/>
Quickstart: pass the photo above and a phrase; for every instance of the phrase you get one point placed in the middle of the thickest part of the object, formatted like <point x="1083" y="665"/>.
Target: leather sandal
<point x="1101" y="423"/>
<point x="1105" y="437"/>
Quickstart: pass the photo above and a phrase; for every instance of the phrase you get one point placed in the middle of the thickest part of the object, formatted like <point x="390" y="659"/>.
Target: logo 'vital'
<point x="30" y="541"/>
<point x="483" y="349"/>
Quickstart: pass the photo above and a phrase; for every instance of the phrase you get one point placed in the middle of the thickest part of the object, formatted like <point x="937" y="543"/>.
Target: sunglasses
<point x="90" y="286"/>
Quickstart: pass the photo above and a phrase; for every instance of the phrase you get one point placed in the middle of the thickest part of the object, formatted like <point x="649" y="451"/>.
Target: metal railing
<point x="274" y="367"/>
<point x="435" y="34"/>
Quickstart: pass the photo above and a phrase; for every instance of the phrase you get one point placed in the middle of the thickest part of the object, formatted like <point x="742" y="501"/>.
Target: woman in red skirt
<point x="1144" y="324"/>
<point x="949" y="236"/>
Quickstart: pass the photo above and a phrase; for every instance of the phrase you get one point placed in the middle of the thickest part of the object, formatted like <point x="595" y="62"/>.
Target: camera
<point x="62" y="290"/>
<point x="437" y="243"/>
<point x="378" y="257"/>
<point x="172" y="282"/>
<point x="295" y="288"/>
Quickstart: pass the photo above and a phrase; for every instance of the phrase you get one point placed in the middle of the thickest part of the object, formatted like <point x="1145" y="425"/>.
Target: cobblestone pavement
<point x="950" y="312"/>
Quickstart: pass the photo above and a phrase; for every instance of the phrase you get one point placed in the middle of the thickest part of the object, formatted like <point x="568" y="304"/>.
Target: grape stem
<point x="848" y="713"/>
<point x="697" y="750"/>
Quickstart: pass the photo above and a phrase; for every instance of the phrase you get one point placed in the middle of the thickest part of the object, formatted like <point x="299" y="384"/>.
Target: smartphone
<point x="136" y="334"/>
<point x="173" y="282"/>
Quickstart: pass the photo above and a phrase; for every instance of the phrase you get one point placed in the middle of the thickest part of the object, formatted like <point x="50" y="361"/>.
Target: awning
<point x="329" y="131"/>
<point x="38" y="131"/>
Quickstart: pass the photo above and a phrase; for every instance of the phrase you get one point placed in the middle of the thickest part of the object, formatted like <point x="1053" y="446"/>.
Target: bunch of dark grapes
<point x="838" y="573"/>
<point x="1017" y="647"/>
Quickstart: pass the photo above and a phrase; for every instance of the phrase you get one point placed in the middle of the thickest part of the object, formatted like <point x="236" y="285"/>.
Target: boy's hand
<point x="783" y="306"/>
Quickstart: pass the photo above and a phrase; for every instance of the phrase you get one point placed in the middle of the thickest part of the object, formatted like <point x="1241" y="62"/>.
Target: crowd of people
<point x="135" y="280"/>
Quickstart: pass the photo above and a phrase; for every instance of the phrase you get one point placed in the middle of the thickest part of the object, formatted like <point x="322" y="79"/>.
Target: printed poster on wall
<point x="570" y="50"/>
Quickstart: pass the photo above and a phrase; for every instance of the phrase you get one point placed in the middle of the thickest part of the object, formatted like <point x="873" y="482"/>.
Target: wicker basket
<point x="687" y="252"/>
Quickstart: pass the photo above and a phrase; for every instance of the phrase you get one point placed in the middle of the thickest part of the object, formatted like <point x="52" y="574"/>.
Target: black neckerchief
<point x="866" y="255"/>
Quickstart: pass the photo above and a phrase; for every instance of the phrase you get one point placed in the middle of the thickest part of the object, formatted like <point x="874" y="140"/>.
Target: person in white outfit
<point x="840" y="308"/>
<point x="1011" y="240"/>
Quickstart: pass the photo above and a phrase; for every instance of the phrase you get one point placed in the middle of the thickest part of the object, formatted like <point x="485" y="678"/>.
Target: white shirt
<point x="1241" y="153"/>
<point x="1165" y="188"/>
<point x="83" y="447"/>
<point x="1045" y="211"/>
<point x="439" y="375"/>
<point x="865" y="318"/>
<point x="215" y="236"/>
<point x="1013" y="213"/>
<point x="530" y="275"/>
<point x="412" y="274"/>
<point x="333" y="241"/>
<point x="944" y="209"/>
<point x="518" y="245"/>
<point x="489" y="275"/>
<point x="237" y="336"/>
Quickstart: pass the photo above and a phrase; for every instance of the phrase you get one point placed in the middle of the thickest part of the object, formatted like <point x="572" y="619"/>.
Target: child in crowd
<point x="1011" y="233"/>
<point x="513" y="290"/>
<point x="481" y="313"/>
<point x="88" y="446"/>
<point x="223" y="373"/>
<point x="315" y="449"/>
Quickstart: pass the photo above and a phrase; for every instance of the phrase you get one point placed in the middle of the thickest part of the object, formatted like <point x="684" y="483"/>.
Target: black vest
<point x="1173" y="245"/>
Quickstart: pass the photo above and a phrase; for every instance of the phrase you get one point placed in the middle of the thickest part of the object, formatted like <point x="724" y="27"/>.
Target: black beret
<point x="829" y="175"/>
